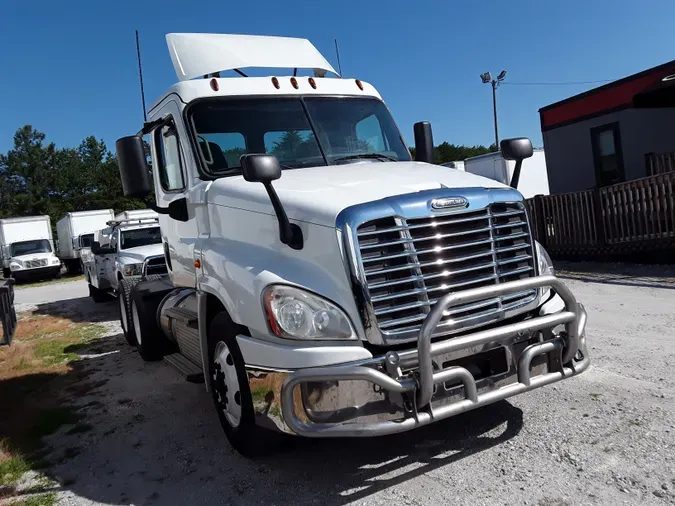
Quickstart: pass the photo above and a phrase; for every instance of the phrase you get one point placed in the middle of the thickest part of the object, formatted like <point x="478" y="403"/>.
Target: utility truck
<point x="321" y="282"/>
<point x="128" y="248"/>
<point x="27" y="248"/>
<point x="75" y="231"/>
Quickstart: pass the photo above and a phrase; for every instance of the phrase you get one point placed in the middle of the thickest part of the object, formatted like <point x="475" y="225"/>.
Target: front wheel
<point x="150" y="340"/>
<point x="6" y="273"/>
<point x="97" y="295"/>
<point x="230" y="391"/>
<point x="124" y="304"/>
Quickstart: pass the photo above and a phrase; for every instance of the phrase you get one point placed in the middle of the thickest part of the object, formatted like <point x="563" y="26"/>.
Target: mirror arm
<point x="289" y="233"/>
<point x="516" y="174"/>
<point x="157" y="209"/>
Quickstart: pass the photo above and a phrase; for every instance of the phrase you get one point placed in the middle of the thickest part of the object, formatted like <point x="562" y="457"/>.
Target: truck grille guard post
<point x="420" y="386"/>
<point x="7" y="312"/>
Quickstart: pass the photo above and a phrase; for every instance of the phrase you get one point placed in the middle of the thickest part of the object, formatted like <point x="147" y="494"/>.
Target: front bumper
<point x="403" y="390"/>
<point x="23" y="273"/>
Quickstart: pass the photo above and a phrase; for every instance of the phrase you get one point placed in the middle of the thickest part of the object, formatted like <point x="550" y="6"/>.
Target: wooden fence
<point x="659" y="163"/>
<point x="635" y="216"/>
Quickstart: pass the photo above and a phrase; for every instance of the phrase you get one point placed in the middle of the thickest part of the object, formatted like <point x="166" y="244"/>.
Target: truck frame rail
<point x="419" y="387"/>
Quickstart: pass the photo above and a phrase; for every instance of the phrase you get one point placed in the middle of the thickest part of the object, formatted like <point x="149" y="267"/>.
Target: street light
<point x="487" y="78"/>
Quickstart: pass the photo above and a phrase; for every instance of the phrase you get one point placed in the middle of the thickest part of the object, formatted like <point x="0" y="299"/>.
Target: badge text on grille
<point x="449" y="203"/>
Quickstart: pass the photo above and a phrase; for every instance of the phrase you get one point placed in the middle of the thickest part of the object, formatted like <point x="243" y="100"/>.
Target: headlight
<point x="544" y="261"/>
<point x="15" y="266"/>
<point x="132" y="269"/>
<point x="297" y="314"/>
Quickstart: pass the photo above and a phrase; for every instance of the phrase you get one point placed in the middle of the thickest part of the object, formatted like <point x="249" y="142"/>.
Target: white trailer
<point x="457" y="164"/>
<point x="76" y="231"/>
<point x="27" y="247"/>
<point x="533" y="176"/>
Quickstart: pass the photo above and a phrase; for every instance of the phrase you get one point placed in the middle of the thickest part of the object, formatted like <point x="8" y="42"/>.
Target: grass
<point x="65" y="279"/>
<point x="39" y="367"/>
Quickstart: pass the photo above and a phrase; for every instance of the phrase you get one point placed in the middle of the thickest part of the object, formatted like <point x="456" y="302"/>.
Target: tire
<point x="73" y="267"/>
<point x="230" y="392"/>
<point x="97" y="295"/>
<point x="150" y="340"/>
<point x="6" y="273"/>
<point x="124" y="304"/>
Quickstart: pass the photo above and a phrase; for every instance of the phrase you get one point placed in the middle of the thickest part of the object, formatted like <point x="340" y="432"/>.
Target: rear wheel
<point x="73" y="266"/>
<point x="124" y="304"/>
<point x="97" y="295"/>
<point x="230" y="391"/>
<point x="6" y="273"/>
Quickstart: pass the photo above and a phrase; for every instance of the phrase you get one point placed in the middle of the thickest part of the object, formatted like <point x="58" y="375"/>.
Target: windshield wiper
<point x="374" y="156"/>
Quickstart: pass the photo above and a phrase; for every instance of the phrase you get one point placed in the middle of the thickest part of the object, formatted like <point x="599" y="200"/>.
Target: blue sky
<point x="69" y="67"/>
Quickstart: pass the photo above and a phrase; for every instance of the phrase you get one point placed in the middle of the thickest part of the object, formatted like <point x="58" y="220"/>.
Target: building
<point x="602" y="136"/>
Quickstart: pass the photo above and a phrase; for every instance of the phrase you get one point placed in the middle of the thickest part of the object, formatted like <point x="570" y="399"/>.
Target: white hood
<point x="318" y="194"/>
<point x="139" y="254"/>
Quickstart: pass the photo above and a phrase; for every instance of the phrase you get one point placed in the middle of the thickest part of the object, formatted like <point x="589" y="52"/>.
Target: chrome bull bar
<point x="574" y="360"/>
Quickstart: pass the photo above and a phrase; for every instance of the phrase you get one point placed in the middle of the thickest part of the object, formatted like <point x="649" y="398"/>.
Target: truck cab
<point x="320" y="281"/>
<point x="27" y="248"/>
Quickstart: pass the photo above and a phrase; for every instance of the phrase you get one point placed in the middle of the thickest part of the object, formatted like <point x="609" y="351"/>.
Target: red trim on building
<point x="613" y="96"/>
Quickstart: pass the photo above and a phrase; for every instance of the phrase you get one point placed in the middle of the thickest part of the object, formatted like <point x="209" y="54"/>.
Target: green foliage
<point x="446" y="152"/>
<point x="38" y="178"/>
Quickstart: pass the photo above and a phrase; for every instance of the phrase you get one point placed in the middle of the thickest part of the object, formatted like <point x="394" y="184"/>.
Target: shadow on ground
<point x="652" y="276"/>
<point x="80" y="310"/>
<point x="145" y="436"/>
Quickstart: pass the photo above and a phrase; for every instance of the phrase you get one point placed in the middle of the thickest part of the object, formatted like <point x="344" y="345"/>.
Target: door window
<point x="169" y="166"/>
<point x="606" y="140"/>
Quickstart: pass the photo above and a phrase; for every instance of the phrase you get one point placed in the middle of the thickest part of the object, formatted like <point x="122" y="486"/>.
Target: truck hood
<point x="33" y="256"/>
<point x="318" y="194"/>
<point x="139" y="254"/>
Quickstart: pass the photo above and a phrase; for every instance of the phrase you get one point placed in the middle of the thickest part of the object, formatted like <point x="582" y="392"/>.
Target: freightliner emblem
<point x="449" y="203"/>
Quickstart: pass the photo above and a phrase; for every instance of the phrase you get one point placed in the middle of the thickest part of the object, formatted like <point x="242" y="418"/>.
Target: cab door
<point x="171" y="156"/>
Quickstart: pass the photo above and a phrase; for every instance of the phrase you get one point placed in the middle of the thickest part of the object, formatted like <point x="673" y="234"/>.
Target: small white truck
<point x="128" y="248"/>
<point x="27" y="248"/>
<point x="533" y="179"/>
<point x="75" y="231"/>
<point x="321" y="282"/>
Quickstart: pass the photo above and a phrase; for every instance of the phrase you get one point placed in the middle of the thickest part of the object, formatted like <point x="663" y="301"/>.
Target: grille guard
<point x="571" y="345"/>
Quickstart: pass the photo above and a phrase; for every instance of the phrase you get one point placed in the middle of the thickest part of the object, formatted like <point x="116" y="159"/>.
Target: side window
<point x="168" y="152"/>
<point x="369" y="135"/>
<point x="222" y="151"/>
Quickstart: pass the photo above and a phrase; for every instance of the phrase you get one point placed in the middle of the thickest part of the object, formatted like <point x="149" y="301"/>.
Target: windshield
<point x="29" y="247"/>
<point x="300" y="132"/>
<point x="139" y="237"/>
<point x="86" y="240"/>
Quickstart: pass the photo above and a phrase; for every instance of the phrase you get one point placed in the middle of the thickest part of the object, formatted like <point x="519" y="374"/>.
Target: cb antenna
<point x="140" y="75"/>
<point x="337" y="53"/>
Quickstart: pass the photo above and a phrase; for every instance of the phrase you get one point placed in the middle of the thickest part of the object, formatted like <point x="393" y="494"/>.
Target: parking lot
<point x="606" y="437"/>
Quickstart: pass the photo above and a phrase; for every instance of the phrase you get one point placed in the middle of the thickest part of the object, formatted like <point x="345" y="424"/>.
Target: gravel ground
<point x="605" y="437"/>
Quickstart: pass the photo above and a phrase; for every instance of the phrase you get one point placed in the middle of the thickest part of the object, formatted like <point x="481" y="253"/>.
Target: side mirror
<point x="265" y="169"/>
<point x="516" y="149"/>
<point x="178" y="210"/>
<point x="424" y="142"/>
<point x="133" y="166"/>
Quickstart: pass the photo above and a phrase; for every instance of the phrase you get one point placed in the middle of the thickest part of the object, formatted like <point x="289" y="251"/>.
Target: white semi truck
<point x="322" y="282"/>
<point x="27" y="248"/>
<point x="128" y="248"/>
<point x="75" y="231"/>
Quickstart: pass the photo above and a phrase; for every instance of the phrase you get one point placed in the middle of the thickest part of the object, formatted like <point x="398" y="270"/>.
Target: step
<point x="191" y="371"/>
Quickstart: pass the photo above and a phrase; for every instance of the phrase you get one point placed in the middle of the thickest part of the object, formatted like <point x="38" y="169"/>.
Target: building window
<point x="607" y="156"/>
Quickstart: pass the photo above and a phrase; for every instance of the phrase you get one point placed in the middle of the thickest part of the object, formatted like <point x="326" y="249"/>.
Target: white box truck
<point x="27" y="248"/>
<point x="533" y="177"/>
<point x="321" y="282"/>
<point x="76" y="231"/>
<point x="136" y="214"/>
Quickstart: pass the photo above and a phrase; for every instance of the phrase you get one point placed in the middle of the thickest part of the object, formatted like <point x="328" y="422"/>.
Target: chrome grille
<point x="34" y="264"/>
<point x="409" y="264"/>
<point x="155" y="265"/>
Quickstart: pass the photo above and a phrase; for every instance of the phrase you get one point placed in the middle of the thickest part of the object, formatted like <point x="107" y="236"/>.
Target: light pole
<point x="487" y="78"/>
